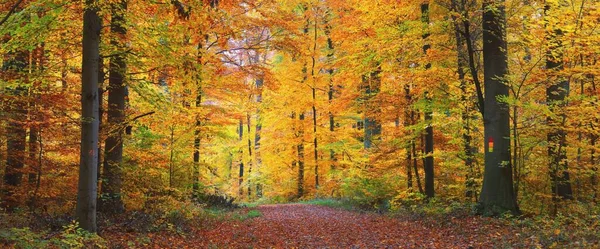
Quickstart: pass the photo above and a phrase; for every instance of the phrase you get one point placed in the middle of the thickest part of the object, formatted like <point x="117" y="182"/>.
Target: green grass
<point x="253" y="214"/>
<point x="334" y="203"/>
<point x="250" y="205"/>
<point x="247" y="215"/>
<point x="234" y="214"/>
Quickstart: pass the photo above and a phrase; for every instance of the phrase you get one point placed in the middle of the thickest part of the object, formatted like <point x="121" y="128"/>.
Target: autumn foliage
<point x="376" y="103"/>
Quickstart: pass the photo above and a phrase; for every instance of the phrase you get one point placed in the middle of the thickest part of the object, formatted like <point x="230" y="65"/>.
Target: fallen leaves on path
<point x="310" y="226"/>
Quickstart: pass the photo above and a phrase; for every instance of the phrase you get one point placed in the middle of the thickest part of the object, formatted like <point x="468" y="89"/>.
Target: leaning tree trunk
<point x="111" y="201"/>
<point x="556" y="94"/>
<point x="87" y="185"/>
<point x="497" y="195"/>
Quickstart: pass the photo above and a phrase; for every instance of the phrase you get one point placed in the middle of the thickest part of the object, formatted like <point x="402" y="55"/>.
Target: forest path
<point x="311" y="226"/>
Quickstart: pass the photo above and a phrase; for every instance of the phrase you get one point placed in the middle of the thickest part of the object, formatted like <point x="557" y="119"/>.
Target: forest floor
<point x="312" y="226"/>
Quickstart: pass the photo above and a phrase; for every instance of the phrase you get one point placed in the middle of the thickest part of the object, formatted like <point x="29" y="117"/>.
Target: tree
<point x="112" y="182"/>
<point x="556" y="94"/>
<point x="428" y="161"/>
<point x="87" y="185"/>
<point x="463" y="56"/>
<point x="497" y="195"/>
<point x="14" y="68"/>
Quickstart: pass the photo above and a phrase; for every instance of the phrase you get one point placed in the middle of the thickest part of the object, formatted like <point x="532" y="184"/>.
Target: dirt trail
<point x="310" y="226"/>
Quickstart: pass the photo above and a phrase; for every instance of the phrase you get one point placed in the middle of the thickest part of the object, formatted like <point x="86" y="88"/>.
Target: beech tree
<point x="556" y="96"/>
<point x="111" y="198"/>
<point x="497" y="194"/>
<point x="87" y="186"/>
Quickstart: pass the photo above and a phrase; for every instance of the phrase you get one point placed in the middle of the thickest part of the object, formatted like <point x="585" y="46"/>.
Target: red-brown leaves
<point x="309" y="226"/>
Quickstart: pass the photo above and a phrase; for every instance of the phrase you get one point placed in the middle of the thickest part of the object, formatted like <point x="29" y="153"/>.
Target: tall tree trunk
<point x="330" y="71"/>
<point x="313" y="75"/>
<point x="37" y="63"/>
<point x="258" y="127"/>
<point x="111" y="201"/>
<point x="197" y="139"/>
<point x="33" y="151"/>
<point x="414" y="152"/>
<point x="428" y="162"/>
<point x="371" y="84"/>
<point x="407" y="122"/>
<point x="171" y="155"/>
<point x="497" y="195"/>
<point x="198" y="123"/>
<point x="300" y="134"/>
<point x="14" y="70"/>
<point x="464" y="98"/>
<point x="556" y="94"/>
<point x="300" y="162"/>
<point x="241" y="174"/>
<point x="594" y="177"/>
<point x="100" y="115"/>
<point x="87" y="185"/>
<point x="415" y="162"/>
<point x="248" y="119"/>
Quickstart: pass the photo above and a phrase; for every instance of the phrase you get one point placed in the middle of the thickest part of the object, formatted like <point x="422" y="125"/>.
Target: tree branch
<point x="141" y="116"/>
<point x="10" y="12"/>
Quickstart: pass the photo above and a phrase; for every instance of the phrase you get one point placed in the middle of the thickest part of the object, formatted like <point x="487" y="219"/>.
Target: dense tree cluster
<point x="105" y="105"/>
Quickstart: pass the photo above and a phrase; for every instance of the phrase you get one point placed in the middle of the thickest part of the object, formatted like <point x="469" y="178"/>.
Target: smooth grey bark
<point x="556" y="94"/>
<point x="497" y="194"/>
<point x="111" y="200"/>
<point x="100" y="115"/>
<point x="87" y="184"/>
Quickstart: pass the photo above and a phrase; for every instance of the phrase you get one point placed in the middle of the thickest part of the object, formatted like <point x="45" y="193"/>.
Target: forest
<point x="299" y="124"/>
